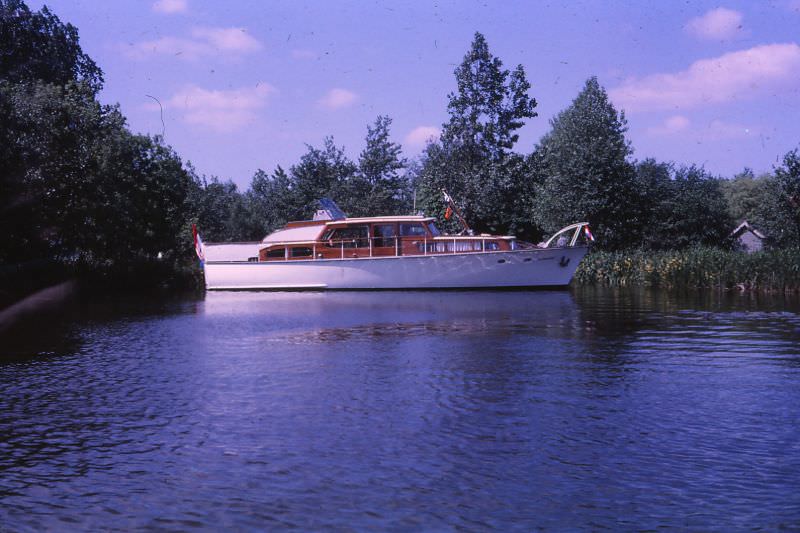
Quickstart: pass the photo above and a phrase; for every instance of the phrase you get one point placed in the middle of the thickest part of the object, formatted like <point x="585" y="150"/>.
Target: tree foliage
<point x="87" y="191"/>
<point x="379" y="186"/>
<point x="76" y="186"/>
<point x="489" y="106"/>
<point x="778" y="214"/>
<point x="585" y="175"/>
<point x="36" y="45"/>
<point x="691" y="211"/>
<point x="473" y="160"/>
<point x="744" y="194"/>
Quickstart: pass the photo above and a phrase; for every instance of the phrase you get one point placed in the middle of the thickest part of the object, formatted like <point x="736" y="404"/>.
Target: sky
<point x="238" y="86"/>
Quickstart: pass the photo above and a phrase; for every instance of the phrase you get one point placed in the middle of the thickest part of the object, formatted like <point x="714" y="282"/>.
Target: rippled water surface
<point x="399" y="411"/>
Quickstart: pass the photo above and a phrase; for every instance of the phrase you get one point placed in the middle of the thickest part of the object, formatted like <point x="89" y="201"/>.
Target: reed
<point x="698" y="267"/>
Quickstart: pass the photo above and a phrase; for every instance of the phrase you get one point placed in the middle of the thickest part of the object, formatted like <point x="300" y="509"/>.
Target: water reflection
<point x="418" y="410"/>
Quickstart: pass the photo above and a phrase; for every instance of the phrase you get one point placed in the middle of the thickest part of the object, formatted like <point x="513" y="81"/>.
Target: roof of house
<point x="746" y="226"/>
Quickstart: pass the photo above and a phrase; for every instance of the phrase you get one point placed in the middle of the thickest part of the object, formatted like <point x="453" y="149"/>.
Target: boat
<point x="333" y="251"/>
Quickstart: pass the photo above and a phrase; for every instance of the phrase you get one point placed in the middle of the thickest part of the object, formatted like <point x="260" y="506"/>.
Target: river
<point x="589" y="409"/>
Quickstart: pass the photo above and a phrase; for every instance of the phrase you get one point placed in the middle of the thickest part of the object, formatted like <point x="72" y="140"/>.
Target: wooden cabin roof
<point x="378" y="220"/>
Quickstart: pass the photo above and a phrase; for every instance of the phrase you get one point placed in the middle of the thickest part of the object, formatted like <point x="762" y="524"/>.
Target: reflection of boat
<point x="393" y="252"/>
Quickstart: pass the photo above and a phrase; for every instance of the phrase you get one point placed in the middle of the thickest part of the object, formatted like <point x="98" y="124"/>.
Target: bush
<point x="697" y="267"/>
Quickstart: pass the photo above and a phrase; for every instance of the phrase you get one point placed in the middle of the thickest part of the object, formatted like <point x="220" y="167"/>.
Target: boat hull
<point x="518" y="268"/>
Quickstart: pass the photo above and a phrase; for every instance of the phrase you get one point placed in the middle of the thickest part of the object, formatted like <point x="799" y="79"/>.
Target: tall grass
<point x="699" y="267"/>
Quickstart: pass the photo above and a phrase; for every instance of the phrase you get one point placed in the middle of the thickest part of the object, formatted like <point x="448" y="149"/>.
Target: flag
<point x="198" y="244"/>
<point x="448" y="213"/>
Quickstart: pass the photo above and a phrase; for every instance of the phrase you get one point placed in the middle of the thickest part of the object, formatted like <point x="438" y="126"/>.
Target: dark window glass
<point x="411" y="230"/>
<point x="352" y="237"/>
<point x="433" y="229"/>
<point x="384" y="235"/>
<point x="276" y="253"/>
<point x="303" y="251"/>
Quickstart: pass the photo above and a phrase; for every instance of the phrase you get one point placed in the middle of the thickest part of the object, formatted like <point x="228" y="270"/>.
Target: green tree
<point x="38" y="46"/>
<point x="321" y="172"/>
<point x="273" y="201"/>
<point x="584" y="171"/>
<point x="96" y="196"/>
<point x="378" y="187"/>
<point x="223" y="214"/>
<point x="473" y="160"/>
<point x="778" y="213"/>
<point x="744" y="193"/>
<point x="48" y="134"/>
<point x="490" y="105"/>
<point x="691" y="211"/>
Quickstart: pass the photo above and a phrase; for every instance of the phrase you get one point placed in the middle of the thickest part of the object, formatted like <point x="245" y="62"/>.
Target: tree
<point x="778" y="213"/>
<point x="320" y="173"/>
<point x="272" y="201"/>
<point x="473" y="160"/>
<point x="583" y="168"/>
<point x="38" y="46"/>
<point x="490" y="105"/>
<point x="655" y="190"/>
<point x="222" y="212"/>
<point x="95" y="196"/>
<point x="378" y="187"/>
<point x="48" y="134"/>
<point x="691" y="211"/>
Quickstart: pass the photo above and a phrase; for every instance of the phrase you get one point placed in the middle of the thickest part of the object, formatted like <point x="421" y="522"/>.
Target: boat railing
<point x="387" y="246"/>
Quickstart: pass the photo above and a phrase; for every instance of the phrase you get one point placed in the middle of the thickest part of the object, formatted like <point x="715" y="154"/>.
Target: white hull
<point x="518" y="268"/>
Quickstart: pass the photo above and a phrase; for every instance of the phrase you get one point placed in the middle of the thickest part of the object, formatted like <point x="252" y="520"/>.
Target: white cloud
<point x="672" y="125"/>
<point x="714" y="130"/>
<point x="337" y="99"/>
<point x="174" y="46"/>
<point x="419" y="136"/>
<point x="717" y="130"/>
<point x="219" y="110"/>
<point x="720" y="23"/>
<point x="205" y="42"/>
<point x="732" y="76"/>
<point x="303" y="54"/>
<point x="228" y="39"/>
<point x="171" y="6"/>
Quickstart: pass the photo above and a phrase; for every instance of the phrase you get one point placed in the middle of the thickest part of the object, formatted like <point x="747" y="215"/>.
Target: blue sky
<point x="246" y="84"/>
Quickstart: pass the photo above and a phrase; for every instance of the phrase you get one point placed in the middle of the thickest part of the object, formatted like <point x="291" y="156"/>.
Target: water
<point x="407" y="411"/>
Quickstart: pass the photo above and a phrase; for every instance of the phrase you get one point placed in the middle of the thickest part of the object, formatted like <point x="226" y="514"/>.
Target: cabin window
<point x="276" y="253"/>
<point x="384" y="235"/>
<point x="412" y="230"/>
<point x="492" y="246"/>
<point x="433" y="229"/>
<point x="302" y="251"/>
<point x="349" y="237"/>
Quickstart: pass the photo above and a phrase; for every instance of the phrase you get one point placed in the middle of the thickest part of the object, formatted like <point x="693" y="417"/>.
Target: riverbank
<point x="693" y="268"/>
<point x="45" y="289"/>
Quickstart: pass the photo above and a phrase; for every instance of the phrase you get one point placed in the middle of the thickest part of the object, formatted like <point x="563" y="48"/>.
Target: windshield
<point x="433" y="229"/>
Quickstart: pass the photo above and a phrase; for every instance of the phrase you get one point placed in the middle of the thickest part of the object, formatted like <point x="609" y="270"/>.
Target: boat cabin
<point x="352" y="238"/>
